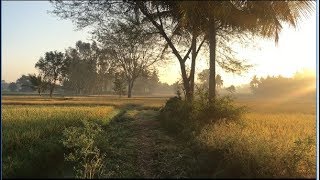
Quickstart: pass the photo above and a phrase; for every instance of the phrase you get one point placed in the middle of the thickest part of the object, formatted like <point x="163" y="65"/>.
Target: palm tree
<point x="206" y="18"/>
<point x="37" y="83"/>
<point x="263" y="18"/>
<point x="219" y="81"/>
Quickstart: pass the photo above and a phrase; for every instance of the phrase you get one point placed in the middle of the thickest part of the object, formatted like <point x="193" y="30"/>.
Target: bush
<point x="83" y="150"/>
<point x="188" y="118"/>
<point x="175" y="115"/>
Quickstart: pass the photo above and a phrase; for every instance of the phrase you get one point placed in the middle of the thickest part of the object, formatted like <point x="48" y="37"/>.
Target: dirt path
<point x="142" y="149"/>
<point x="145" y="125"/>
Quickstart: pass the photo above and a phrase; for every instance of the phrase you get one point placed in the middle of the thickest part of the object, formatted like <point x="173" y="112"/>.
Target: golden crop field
<point x="276" y="138"/>
<point x="33" y="133"/>
<point x="89" y="100"/>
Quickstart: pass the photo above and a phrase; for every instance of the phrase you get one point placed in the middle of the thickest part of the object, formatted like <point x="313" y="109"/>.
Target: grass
<point x="89" y="100"/>
<point x="265" y="145"/>
<point x="31" y="135"/>
<point x="275" y="139"/>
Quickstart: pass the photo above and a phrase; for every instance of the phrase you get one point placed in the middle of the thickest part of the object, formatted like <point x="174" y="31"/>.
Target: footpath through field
<point x="141" y="148"/>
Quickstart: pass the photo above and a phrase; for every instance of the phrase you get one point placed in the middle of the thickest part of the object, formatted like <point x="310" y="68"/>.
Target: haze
<point x="28" y="31"/>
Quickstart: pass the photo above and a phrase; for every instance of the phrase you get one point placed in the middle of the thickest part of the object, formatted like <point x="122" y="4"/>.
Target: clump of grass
<point x="83" y="151"/>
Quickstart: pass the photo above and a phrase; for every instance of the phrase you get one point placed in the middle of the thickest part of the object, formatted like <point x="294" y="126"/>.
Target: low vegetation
<point x="81" y="138"/>
<point x="32" y="134"/>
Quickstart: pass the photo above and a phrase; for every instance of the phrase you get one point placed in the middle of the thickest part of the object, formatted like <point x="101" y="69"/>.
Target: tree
<point x="37" y="83"/>
<point x="231" y="89"/>
<point x="278" y="86"/>
<point x="208" y="19"/>
<point x="254" y="83"/>
<point x="203" y="77"/>
<point x="133" y="51"/>
<point x="87" y="68"/>
<point x="99" y="14"/>
<point x="24" y="83"/>
<point x="13" y="87"/>
<point x="219" y="81"/>
<point x="119" y="83"/>
<point x="4" y="85"/>
<point x="263" y="18"/>
<point x="53" y="67"/>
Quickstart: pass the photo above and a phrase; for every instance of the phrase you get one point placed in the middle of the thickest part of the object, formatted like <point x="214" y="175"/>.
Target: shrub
<point x="188" y="118"/>
<point x="81" y="143"/>
<point x="175" y="116"/>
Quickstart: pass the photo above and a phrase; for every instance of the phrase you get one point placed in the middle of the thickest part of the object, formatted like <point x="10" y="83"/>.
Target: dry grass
<point x="90" y="100"/>
<point x="31" y="134"/>
<point x="267" y="145"/>
<point x="276" y="139"/>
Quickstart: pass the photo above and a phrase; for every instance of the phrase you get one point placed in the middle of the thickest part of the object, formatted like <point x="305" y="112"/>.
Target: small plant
<point x="80" y="141"/>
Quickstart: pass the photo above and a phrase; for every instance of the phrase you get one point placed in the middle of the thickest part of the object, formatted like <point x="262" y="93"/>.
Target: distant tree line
<point x="87" y="69"/>
<point x="300" y="84"/>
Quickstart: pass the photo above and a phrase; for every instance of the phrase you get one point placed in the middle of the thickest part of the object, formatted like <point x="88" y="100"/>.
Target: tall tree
<point x="37" y="83"/>
<point x="254" y="83"/>
<point x="83" y="63"/>
<point x="53" y="68"/>
<point x="13" y="87"/>
<point x="231" y="89"/>
<point x="24" y="83"/>
<point x="203" y="77"/>
<point x="119" y="84"/>
<point x="219" y="81"/>
<point x="99" y="14"/>
<point x="217" y="21"/>
<point x="132" y="49"/>
<point x="263" y="18"/>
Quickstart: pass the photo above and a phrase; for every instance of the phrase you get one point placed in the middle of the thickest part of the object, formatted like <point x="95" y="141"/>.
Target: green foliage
<point x="53" y="67"/>
<point x="37" y="83"/>
<point x="24" y="83"/>
<point x="83" y="151"/>
<point x="32" y="136"/>
<point x="119" y="84"/>
<point x="13" y="87"/>
<point x="189" y="117"/>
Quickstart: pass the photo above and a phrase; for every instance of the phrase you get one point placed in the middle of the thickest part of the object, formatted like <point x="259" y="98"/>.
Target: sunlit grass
<point x="98" y="100"/>
<point x="275" y="139"/>
<point x="32" y="133"/>
<point x="267" y="145"/>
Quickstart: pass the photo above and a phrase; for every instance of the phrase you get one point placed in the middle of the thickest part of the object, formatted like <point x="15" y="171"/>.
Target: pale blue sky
<point x="28" y="31"/>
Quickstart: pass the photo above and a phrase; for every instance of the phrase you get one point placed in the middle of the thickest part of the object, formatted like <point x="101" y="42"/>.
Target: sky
<point x="28" y="31"/>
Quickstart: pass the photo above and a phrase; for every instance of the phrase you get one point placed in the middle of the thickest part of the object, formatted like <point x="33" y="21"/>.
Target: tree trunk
<point x="174" y="50"/>
<point x="39" y="91"/>
<point x="212" y="71"/>
<point x="186" y="83"/>
<point x="51" y="90"/>
<point x="130" y="85"/>
<point x="193" y="64"/>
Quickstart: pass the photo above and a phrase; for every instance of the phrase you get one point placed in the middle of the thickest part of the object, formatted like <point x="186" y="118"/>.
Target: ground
<point x="136" y="145"/>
